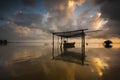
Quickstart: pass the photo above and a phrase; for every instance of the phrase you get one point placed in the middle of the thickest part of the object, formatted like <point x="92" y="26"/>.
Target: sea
<point x="36" y="61"/>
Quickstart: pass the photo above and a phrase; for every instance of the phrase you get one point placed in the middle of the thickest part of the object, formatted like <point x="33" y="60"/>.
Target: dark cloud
<point x="7" y="7"/>
<point x="114" y="27"/>
<point x="98" y="2"/>
<point x="26" y="19"/>
<point x="2" y="18"/>
<point x="30" y="3"/>
<point x="111" y="10"/>
<point x="7" y="4"/>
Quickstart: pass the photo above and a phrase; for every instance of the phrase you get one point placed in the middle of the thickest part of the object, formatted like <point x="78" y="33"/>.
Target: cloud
<point x="111" y="10"/>
<point x="7" y="5"/>
<point x="98" y="2"/>
<point x="1" y="18"/>
<point x="26" y="19"/>
<point x="30" y="3"/>
<point x="61" y="14"/>
<point x="16" y="32"/>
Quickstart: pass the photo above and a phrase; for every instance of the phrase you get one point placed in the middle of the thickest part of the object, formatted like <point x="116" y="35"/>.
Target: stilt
<point x="61" y="45"/>
<point x="83" y="44"/>
<point x="53" y="47"/>
<point x="58" y="44"/>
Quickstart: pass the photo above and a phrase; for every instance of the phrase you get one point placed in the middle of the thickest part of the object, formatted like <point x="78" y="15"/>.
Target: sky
<point x="34" y="19"/>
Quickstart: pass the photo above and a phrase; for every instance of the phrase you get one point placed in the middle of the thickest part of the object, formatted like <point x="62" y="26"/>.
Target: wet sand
<point x="34" y="62"/>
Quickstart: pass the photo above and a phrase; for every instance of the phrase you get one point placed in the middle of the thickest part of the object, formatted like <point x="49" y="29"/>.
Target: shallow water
<point x="33" y="61"/>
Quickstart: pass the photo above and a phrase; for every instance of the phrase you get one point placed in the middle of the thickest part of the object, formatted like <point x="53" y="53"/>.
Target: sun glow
<point x="99" y="14"/>
<point x="99" y="22"/>
<point x="71" y="4"/>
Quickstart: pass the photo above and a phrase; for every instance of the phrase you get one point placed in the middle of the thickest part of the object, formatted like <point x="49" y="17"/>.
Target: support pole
<point x="61" y="45"/>
<point x="58" y="44"/>
<point x="83" y="47"/>
<point x="53" y="46"/>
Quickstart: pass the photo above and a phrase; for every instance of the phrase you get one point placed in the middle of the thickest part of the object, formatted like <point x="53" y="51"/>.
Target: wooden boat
<point x="69" y="45"/>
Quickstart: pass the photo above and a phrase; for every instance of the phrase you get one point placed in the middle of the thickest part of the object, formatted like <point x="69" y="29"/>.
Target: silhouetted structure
<point x="70" y="34"/>
<point x="107" y="44"/>
<point x="66" y="45"/>
<point x="3" y="42"/>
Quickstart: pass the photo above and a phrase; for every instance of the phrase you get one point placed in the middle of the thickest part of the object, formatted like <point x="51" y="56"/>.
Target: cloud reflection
<point x="100" y="65"/>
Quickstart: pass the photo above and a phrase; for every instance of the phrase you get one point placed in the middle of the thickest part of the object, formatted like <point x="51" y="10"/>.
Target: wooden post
<point x="53" y="46"/>
<point x="61" y="45"/>
<point x="83" y="47"/>
<point x="58" y="44"/>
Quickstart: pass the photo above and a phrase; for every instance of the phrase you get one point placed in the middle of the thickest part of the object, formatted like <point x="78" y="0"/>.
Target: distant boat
<point x="3" y="42"/>
<point x="107" y="44"/>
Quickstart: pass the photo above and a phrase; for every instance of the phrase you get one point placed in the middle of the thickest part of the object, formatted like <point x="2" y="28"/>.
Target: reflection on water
<point x="32" y="61"/>
<point x="71" y="57"/>
<point x="100" y="65"/>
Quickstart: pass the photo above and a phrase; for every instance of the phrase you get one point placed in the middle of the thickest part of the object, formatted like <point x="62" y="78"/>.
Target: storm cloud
<point x="30" y="18"/>
<point x="111" y="10"/>
<point x="30" y="3"/>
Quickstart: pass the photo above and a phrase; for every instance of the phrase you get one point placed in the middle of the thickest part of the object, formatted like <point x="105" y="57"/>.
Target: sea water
<point x="33" y="61"/>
